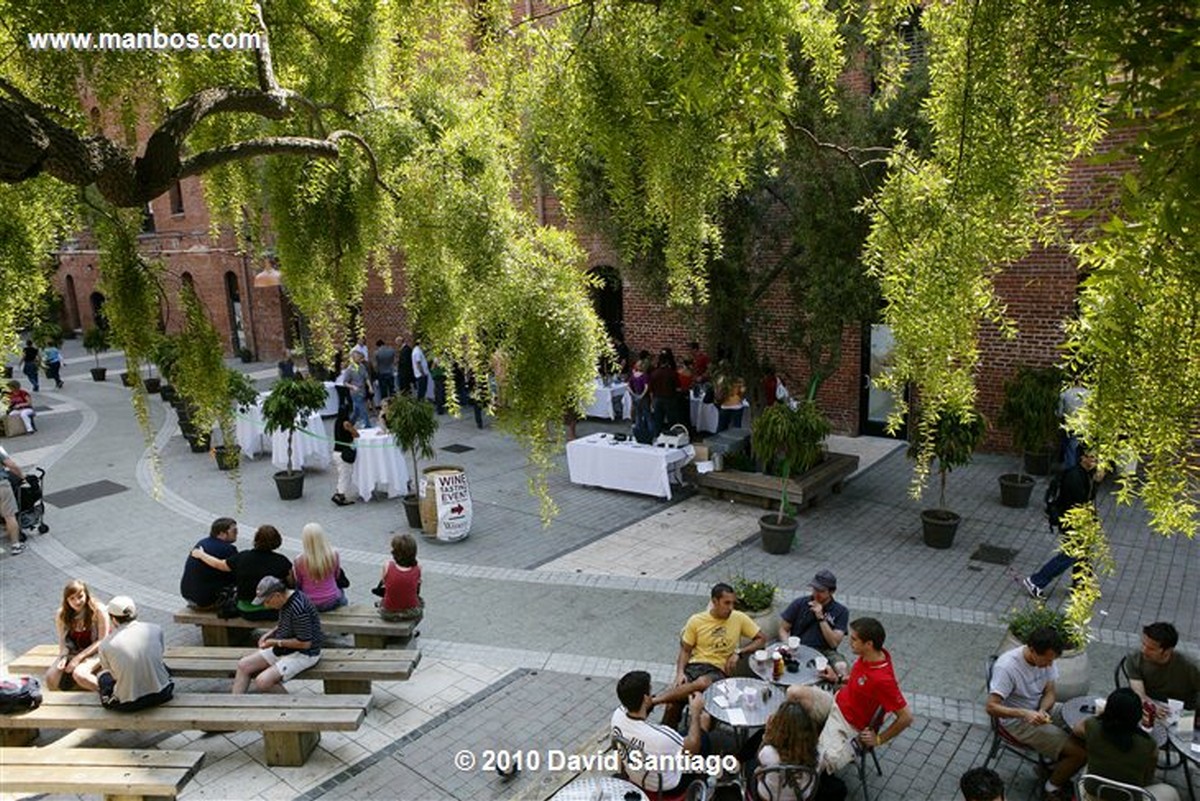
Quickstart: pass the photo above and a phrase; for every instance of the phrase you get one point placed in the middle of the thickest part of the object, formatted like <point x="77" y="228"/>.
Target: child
<point x="401" y="582"/>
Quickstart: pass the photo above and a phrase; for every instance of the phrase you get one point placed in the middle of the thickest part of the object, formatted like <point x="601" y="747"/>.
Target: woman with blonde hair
<point x="82" y="624"/>
<point x="318" y="572"/>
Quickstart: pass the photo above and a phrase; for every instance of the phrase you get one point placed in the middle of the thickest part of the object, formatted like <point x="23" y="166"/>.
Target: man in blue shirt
<point x="200" y="584"/>
<point x="818" y="620"/>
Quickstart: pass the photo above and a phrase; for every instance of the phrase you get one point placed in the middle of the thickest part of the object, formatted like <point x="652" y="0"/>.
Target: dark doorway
<point x="608" y="299"/>
<point x="97" y="300"/>
<point x="71" y="304"/>
<point x="237" y="333"/>
<point x="876" y="404"/>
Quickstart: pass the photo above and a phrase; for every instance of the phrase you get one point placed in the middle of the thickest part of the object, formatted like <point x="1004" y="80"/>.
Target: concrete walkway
<point x="528" y="627"/>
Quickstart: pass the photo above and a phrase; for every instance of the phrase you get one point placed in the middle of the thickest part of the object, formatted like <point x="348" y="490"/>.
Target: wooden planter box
<point x="762" y="490"/>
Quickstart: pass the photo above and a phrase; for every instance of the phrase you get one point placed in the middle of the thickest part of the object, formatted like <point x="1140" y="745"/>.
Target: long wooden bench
<point x="361" y="620"/>
<point x="763" y="490"/>
<point x="291" y="725"/>
<point x="345" y="671"/>
<point x="118" y="774"/>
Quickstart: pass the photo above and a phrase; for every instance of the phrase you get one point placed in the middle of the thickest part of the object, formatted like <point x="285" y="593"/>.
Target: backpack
<point x="1053" y="502"/>
<point x="19" y="694"/>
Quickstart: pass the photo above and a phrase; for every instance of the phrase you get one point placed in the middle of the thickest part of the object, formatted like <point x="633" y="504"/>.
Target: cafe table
<point x="599" y="788"/>
<point x="600" y="460"/>
<point x="379" y="463"/>
<point x="606" y="399"/>
<point x="1077" y="710"/>
<point x="743" y="703"/>
<point x="804" y="655"/>
<point x="311" y="446"/>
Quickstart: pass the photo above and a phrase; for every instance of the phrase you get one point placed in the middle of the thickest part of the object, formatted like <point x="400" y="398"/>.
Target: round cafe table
<point x="609" y="788"/>
<point x="1077" y="710"/>
<point x="806" y="674"/>
<point x="728" y="702"/>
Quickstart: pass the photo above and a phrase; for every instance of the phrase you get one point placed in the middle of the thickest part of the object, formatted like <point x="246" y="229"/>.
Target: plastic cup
<point x="1174" y="710"/>
<point x="1099" y="704"/>
<point x="820" y="663"/>
<point x="793" y="644"/>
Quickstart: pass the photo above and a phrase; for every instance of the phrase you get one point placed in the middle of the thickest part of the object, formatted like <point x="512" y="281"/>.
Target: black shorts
<point x="696" y="670"/>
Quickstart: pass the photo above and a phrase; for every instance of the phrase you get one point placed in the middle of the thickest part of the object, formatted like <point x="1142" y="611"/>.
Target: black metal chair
<point x="1121" y="674"/>
<point x="1001" y="739"/>
<point x="801" y="780"/>
<point x="651" y="782"/>
<point x="862" y="751"/>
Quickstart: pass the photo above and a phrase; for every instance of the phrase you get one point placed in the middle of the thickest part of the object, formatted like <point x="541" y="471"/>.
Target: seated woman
<point x="20" y="404"/>
<point x="790" y="738"/>
<point x="318" y="572"/>
<point x="82" y="624"/>
<point x="1118" y="749"/>
<point x="249" y="568"/>
<point x="401" y="582"/>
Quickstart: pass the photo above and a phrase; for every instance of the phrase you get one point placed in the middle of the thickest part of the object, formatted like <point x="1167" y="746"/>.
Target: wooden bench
<point x="345" y="671"/>
<point x="361" y="620"/>
<point x="116" y="773"/>
<point x="763" y="490"/>
<point x="291" y="725"/>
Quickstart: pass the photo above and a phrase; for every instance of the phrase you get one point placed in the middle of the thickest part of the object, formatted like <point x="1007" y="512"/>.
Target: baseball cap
<point x="268" y="586"/>
<point x="824" y="580"/>
<point x="122" y="606"/>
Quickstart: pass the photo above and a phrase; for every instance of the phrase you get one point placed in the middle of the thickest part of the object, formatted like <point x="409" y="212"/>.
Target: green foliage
<point x="753" y="595"/>
<point x="951" y="439"/>
<point x="1085" y="541"/>
<point x="413" y="425"/>
<point x="198" y="372"/>
<point x="1030" y="406"/>
<point x="1036" y="615"/>
<point x="793" y="436"/>
<point x="288" y="405"/>
<point x="242" y="391"/>
<point x="165" y="354"/>
<point x="95" y="342"/>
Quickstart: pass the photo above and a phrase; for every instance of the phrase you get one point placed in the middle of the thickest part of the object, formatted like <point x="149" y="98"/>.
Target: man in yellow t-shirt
<point x="709" y="648"/>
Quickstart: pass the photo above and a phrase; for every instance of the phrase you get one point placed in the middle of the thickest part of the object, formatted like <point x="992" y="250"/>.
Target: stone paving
<point x="529" y="626"/>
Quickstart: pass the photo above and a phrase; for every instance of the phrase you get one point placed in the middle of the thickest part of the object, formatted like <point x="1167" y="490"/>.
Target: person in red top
<point x="847" y="716"/>
<point x="401" y="582"/>
<point x="700" y="361"/>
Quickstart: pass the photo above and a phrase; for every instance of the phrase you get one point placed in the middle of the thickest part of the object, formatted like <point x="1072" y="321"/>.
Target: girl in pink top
<point x="401" y="581"/>
<point x="317" y="570"/>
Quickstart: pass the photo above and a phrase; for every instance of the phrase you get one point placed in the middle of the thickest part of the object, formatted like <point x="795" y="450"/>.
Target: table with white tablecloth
<point x="706" y="416"/>
<point x="379" y="463"/>
<point x="331" y="400"/>
<point x="607" y="397"/>
<point x="600" y="460"/>
<point x="249" y="428"/>
<point x="311" y="446"/>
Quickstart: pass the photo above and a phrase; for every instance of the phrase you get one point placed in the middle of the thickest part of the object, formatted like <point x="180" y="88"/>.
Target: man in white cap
<point x="293" y="646"/>
<point x="132" y="672"/>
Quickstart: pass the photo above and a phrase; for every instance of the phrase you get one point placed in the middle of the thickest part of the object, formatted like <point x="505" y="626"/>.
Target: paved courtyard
<point x="529" y="626"/>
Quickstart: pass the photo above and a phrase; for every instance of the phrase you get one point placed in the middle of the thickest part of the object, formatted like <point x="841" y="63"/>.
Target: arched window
<point x="608" y="299"/>
<point x="237" y="333"/>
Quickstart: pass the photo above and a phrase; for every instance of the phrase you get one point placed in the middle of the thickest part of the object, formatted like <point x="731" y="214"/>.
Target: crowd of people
<point x="858" y="705"/>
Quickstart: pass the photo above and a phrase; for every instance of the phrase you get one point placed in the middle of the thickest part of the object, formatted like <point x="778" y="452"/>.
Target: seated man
<point x="709" y="646"/>
<point x="1022" y="696"/>
<point x="818" y="620"/>
<point x="293" y="646"/>
<point x="1158" y="672"/>
<point x="132" y="672"/>
<point x="847" y="715"/>
<point x="981" y="784"/>
<point x="630" y="721"/>
<point x="200" y="584"/>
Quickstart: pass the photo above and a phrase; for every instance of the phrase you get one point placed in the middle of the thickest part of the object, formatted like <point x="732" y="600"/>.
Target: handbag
<point x="349" y="455"/>
<point x="343" y="580"/>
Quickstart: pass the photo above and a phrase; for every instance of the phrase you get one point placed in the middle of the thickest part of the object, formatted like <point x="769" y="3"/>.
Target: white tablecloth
<point x="704" y="415"/>
<point x="307" y="451"/>
<point x="331" y="403"/>
<point x="605" y="397"/>
<point x="250" y="436"/>
<point x="600" y="461"/>
<point x="379" y="462"/>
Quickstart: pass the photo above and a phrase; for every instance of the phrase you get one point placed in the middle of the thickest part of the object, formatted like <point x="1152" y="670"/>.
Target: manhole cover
<point x="456" y="448"/>
<point x="83" y="493"/>
<point x="993" y="555"/>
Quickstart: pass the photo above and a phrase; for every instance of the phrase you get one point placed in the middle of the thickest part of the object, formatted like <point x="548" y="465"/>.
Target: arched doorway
<point x="71" y="303"/>
<point x="608" y="299"/>
<point x="236" y="330"/>
<point x="97" y="301"/>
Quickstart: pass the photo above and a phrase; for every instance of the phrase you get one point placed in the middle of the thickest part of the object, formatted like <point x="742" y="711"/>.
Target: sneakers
<point x="341" y="500"/>
<point x="17" y="548"/>
<point x="1034" y="590"/>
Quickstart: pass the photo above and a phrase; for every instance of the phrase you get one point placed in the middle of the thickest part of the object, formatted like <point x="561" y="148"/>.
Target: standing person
<point x="317" y="572"/>
<point x="1076" y="486"/>
<point x="8" y="501"/>
<point x="132" y="674"/>
<point x="404" y="365"/>
<point x="847" y="716"/>
<point x="81" y="624"/>
<point x="981" y="784"/>
<point x="401" y="582"/>
<point x="249" y="568"/>
<point x="344" y="434"/>
<point x="53" y="358"/>
<point x="1118" y="748"/>
<point x="356" y="380"/>
<point x="201" y="585"/>
<point x="360" y="347"/>
<point x="293" y="646"/>
<point x="663" y="383"/>
<point x="639" y="391"/>
<point x="700" y="361"/>
<point x="818" y="620"/>
<point x="385" y="369"/>
<point x="420" y="369"/>
<point x="29" y="364"/>
<point x="287" y="366"/>
<point x="1022" y="697"/>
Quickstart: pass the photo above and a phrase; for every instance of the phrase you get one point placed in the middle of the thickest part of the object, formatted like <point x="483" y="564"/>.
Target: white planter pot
<point x="1073" y="680"/>
<point x="768" y="621"/>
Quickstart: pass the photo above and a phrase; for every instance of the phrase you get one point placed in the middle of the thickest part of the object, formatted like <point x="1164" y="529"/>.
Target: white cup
<point x="793" y="643"/>
<point x="1174" y="710"/>
<point x="820" y="663"/>
<point x="760" y="655"/>
<point x="1099" y="704"/>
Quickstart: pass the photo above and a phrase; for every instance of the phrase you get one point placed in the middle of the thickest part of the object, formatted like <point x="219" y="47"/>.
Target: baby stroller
<point x="31" y="509"/>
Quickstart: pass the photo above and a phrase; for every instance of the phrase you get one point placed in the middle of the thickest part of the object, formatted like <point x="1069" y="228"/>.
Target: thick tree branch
<point x="251" y="148"/>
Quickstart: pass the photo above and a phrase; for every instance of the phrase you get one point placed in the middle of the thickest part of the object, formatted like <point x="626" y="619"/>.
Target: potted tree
<point x="1072" y="666"/>
<point x="412" y="424"/>
<point x="955" y="437"/>
<point x="791" y="438"/>
<point x="285" y="408"/>
<point x="244" y="395"/>
<point x="756" y="597"/>
<point x="166" y="355"/>
<point x="95" y="342"/>
<point x="1030" y="410"/>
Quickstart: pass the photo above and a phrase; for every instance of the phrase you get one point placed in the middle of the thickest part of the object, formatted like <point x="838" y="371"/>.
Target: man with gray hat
<point x="293" y="646"/>
<point x="132" y="672"/>
<point x="818" y="620"/>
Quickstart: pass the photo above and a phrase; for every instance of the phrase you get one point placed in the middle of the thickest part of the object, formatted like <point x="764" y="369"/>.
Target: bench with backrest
<point x="115" y="773"/>
<point x="291" y="725"/>
<point x="361" y="620"/>
<point x="343" y="670"/>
